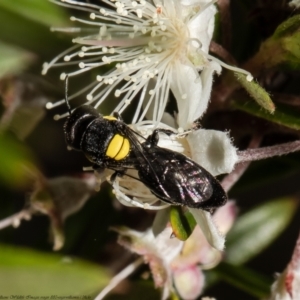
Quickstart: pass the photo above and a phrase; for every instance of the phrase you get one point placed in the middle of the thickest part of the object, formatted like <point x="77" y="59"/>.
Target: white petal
<point x="186" y="86"/>
<point x="213" y="150"/>
<point x="189" y="282"/>
<point x="192" y="91"/>
<point x="225" y="216"/>
<point x="209" y="229"/>
<point x="201" y="27"/>
<point x="169" y="120"/>
<point x="160" y="221"/>
<point x="166" y="246"/>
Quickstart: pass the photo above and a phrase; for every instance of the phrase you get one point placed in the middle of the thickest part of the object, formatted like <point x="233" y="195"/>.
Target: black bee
<point x="171" y="176"/>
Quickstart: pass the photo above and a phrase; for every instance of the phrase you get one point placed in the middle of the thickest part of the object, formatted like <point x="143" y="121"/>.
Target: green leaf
<point x="43" y="12"/>
<point x="281" y="49"/>
<point x="182" y="223"/>
<point x="258" y="93"/>
<point x="17" y="167"/>
<point x="283" y="115"/>
<point x="287" y="27"/>
<point x="12" y="59"/>
<point x="27" y="272"/>
<point x="245" y="279"/>
<point x="257" y="229"/>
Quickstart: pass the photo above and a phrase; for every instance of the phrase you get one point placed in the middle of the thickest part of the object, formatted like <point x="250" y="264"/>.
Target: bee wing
<point x="181" y="181"/>
<point x="174" y="178"/>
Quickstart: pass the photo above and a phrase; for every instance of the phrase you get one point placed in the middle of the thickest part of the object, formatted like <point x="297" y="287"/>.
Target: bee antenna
<point x="66" y="94"/>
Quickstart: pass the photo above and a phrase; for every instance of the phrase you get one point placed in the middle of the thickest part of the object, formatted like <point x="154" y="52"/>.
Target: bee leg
<point x="113" y="177"/>
<point x="153" y="139"/>
<point x="117" y="116"/>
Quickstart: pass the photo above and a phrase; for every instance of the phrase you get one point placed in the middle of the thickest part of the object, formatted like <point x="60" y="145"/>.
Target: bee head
<point x="77" y="124"/>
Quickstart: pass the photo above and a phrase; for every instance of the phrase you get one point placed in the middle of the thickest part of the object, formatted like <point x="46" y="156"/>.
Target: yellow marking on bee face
<point x="118" y="147"/>
<point x="110" y="118"/>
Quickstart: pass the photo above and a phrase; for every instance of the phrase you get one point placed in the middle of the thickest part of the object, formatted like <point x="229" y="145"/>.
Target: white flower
<point x="158" y="252"/>
<point x="176" y="266"/>
<point x="213" y="151"/>
<point x="152" y="47"/>
<point x="287" y="285"/>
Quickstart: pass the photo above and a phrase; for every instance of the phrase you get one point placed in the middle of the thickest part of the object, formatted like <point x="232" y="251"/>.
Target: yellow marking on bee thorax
<point x="110" y="118"/>
<point x="118" y="147"/>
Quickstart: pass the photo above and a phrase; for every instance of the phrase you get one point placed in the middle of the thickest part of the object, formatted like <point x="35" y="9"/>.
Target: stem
<point x="222" y="53"/>
<point x="120" y="277"/>
<point x="267" y="152"/>
<point x="230" y="180"/>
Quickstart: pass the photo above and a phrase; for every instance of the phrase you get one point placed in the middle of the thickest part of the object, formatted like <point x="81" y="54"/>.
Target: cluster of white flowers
<point x="153" y="48"/>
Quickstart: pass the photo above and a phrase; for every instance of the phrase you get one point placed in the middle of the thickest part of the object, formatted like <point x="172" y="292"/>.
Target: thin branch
<point x="16" y="219"/>
<point x="120" y="277"/>
<point x="231" y="179"/>
<point x="222" y="53"/>
<point x="267" y="152"/>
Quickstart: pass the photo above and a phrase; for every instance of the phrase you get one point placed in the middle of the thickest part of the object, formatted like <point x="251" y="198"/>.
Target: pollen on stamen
<point x="45" y="68"/>
<point x="62" y="76"/>
<point x="81" y="65"/>
<point x="56" y="117"/>
<point x="72" y="18"/>
<point x="249" y="77"/>
<point x="117" y="93"/>
<point x="81" y="54"/>
<point x="180" y="130"/>
<point x="67" y="58"/>
<point x="99" y="78"/>
<point x="103" y="11"/>
<point x="120" y="10"/>
<point x="151" y="92"/>
<point x="103" y="30"/>
<point x="93" y="16"/>
<point x="49" y="105"/>
<point x="139" y="13"/>
<point x="89" y="97"/>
